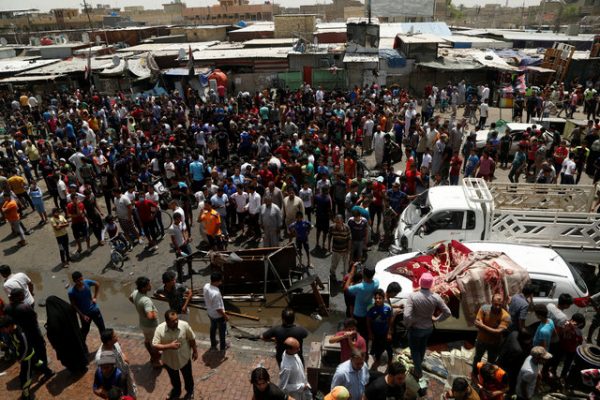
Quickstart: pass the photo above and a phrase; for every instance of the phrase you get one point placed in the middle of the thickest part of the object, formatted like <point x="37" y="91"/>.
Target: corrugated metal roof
<point x="74" y="64"/>
<point x="361" y="58"/>
<point x="13" y="65"/>
<point x="451" y="65"/>
<point x="265" y="52"/>
<point x="545" y="36"/>
<point x="258" y="27"/>
<point x="30" y="78"/>
<point x="168" y="48"/>
<point x="421" y="38"/>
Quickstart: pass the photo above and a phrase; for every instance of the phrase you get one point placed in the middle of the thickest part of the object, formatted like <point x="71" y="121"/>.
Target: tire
<point x="167" y="219"/>
<point x="117" y="259"/>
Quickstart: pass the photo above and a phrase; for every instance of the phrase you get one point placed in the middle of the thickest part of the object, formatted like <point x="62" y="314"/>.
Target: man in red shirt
<point x="147" y="210"/>
<point x="376" y="206"/>
<point x="76" y="212"/>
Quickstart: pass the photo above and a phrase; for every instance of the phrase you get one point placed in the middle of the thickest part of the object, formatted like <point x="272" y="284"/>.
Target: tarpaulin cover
<point x="465" y="278"/>
<point x="393" y="58"/>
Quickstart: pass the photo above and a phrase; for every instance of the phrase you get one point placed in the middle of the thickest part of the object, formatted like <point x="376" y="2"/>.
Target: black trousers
<point x="188" y="379"/>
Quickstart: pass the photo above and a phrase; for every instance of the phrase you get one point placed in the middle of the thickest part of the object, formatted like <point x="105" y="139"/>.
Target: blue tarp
<point x="393" y="58"/>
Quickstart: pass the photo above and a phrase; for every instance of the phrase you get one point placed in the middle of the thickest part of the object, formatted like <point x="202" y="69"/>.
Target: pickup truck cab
<point x="550" y="215"/>
<point x="549" y="273"/>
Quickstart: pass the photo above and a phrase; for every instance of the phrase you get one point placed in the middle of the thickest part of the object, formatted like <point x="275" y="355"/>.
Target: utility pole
<point x="87" y="12"/>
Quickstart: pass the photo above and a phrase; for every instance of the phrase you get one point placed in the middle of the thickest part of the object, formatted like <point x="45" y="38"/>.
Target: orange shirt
<point x="11" y="211"/>
<point x="212" y="222"/>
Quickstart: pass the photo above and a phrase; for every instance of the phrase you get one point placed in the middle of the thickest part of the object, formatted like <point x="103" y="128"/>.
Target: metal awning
<point x="31" y="78"/>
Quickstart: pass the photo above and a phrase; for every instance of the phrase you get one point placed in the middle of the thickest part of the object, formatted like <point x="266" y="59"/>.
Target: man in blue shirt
<point x="300" y="229"/>
<point x="353" y="375"/>
<point x="197" y="173"/>
<point x="363" y="297"/>
<point x="84" y="303"/>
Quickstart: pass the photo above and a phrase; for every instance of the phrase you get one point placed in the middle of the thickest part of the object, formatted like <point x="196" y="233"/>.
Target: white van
<point x="550" y="274"/>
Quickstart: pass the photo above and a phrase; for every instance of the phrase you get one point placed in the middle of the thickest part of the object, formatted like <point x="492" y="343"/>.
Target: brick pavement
<point x="214" y="377"/>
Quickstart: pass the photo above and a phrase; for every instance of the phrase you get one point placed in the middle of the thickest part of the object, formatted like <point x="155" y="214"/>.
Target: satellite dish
<point x="85" y="37"/>
<point x="63" y="38"/>
<point x="98" y="40"/>
<point x="116" y="60"/>
<point x="3" y="41"/>
<point x="181" y="53"/>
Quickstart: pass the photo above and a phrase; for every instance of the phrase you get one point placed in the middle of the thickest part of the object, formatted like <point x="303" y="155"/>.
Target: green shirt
<point x="143" y="305"/>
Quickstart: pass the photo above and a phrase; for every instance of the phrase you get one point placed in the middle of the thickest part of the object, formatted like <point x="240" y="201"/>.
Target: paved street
<point x="215" y="379"/>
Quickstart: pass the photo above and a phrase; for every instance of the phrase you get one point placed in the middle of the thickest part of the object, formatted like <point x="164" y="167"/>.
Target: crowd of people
<point x="259" y="169"/>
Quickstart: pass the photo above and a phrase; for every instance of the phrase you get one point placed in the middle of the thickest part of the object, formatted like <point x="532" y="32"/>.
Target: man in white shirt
<point x="368" y="133"/>
<point x="253" y="208"/>
<point x="292" y="378"/>
<point x="568" y="170"/>
<point x="216" y="311"/>
<point x="124" y="211"/>
<point x="240" y="199"/>
<point x="483" y="114"/>
<point x="530" y="372"/>
<point x="17" y="281"/>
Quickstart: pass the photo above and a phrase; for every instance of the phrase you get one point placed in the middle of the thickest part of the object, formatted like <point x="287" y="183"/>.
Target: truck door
<point x="440" y="226"/>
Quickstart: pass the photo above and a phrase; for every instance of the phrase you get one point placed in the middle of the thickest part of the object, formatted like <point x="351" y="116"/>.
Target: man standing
<point x="23" y="351"/>
<point x="270" y="221"/>
<point x="10" y="210"/>
<point x="84" y="303"/>
<point x="530" y="373"/>
<point x="519" y="307"/>
<point x="124" y="211"/>
<point x="491" y="321"/>
<point x="292" y="205"/>
<point x="24" y="316"/>
<point x="148" y="316"/>
<point x="483" y="113"/>
<point x="17" y="280"/>
<point x="353" y="375"/>
<point x="359" y="229"/>
<point x="419" y="319"/>
<point x="390" y="386"/>
<point x="212" y="222"/>
<point x="177" y="342"/>
<point x="180" y="241"/>
<point x="340" y="236"/>
<point x="253" y="209"/>
<point x="287" y="329"/>
<point x="363" y="297"/>
<point x="556" y="312"/>
<point x="76" y="212"/>
<point x="176" y="294"/>
<point x="292" y="378"/>
<point x="216" y="311"/>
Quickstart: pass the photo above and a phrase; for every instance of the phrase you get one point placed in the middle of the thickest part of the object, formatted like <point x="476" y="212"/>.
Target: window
<point x="471" y="220"/>
<point x="542" y="288"/>
<point x="444" y="220"/>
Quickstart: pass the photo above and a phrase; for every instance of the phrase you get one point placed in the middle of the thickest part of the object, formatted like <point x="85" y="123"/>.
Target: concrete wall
<point x="288" y="24"/>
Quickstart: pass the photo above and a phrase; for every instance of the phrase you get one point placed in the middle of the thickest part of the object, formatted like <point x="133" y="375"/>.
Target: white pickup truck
<point x="555" y="216"/>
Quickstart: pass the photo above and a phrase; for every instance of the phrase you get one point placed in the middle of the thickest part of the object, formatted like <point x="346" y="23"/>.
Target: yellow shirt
<point x="56" y="222"/>
<point x="17" y="184"/>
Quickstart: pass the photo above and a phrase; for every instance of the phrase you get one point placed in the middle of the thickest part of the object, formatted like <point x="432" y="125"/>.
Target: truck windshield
<point x="418" y="208"/>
